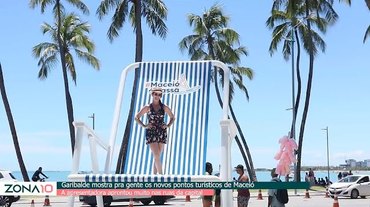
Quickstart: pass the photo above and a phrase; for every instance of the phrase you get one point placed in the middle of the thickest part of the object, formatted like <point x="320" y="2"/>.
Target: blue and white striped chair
<point x="186" y="89"/>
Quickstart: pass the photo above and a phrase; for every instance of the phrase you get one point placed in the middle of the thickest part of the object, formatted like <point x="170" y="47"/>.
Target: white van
<point x="6" y="201"/>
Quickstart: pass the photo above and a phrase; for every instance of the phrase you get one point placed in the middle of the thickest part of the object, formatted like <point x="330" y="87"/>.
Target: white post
<point x="93" y="154"/>
<point x="225" y="172"/>
<point x="116" y="115"/>
<point x="76" y="154"/>
<point x="95" y="166"/>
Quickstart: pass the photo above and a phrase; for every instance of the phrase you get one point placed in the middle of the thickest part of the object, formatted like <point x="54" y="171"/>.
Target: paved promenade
<point x="317" y="199"/>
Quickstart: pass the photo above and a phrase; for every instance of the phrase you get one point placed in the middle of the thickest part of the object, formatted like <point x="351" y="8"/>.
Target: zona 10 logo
<point x="27" y="188"/>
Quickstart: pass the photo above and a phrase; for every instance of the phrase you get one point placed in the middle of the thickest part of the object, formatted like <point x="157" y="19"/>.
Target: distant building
<point x="344" y="166"/>
<point x="367" y="163"/>
<point x="351" y="163"/>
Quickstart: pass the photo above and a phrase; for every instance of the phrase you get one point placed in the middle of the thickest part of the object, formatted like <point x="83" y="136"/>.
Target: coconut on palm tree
<point x="154" y="12"/>
<point x="74" y="42"/>
<point x="213" y="39"/>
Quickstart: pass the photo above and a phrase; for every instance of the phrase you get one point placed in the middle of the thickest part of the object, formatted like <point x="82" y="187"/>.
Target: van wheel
<point x="105" y="205"/>
<point x="146" y="202"/>
<point x="91" y="200"/>
<point x="354" y="193"/>
<point x="158" y="200"/>
<point x="5" y="201"/>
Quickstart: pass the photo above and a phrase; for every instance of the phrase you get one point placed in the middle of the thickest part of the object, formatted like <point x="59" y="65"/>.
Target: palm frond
<point x="88" y="58"/>
<point x="104" y="7"/>
<point x="156" y="6"/>
<point x="229" y="35"/>
<point x="44" y="49"/>
<point x="80" y="5"/>
<point x="243" y="71"/>
<point x="43" y="4"/>
<point x="241" y="86"/>
<point x="279" y="33"/>
<point x="346" y="1"/>
<point x="277" y="17"/>
<point x="191" y="43"/>
<point x="46" y="64"/>
<point x="118" y="19"/>
<point x="58" y="10"/>
<point x="71" y="67"/>
<point x="367" y="34"/>
<point x="155" y="22"/>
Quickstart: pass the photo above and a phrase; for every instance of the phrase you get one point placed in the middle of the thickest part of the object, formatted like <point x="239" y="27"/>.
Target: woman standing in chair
<point x="156" y="129"/>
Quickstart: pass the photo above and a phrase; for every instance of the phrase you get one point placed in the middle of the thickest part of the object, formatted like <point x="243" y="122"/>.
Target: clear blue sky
<point x="340" y="94"/>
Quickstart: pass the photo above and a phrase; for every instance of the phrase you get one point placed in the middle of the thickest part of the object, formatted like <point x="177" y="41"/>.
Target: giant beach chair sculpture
<point x="186" y="89"/>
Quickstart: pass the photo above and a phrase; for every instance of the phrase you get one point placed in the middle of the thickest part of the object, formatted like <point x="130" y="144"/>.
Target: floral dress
<point x="156" y="134"/>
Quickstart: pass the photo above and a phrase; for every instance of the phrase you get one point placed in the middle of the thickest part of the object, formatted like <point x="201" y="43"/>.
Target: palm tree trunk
<point x="299" y="80"/>
<point x="251" y="170"/>
<point x="69" y="103"/>
<point x="299" y="87"/>
<point x="308" y="95"/>
<point x="237" y="140"/>
<point x="367" y="3"/>
<point x="248" y="163"/>
<point x="298" y="97"/>
<point x="138" y="58"/>
<point x="12" y="127"/>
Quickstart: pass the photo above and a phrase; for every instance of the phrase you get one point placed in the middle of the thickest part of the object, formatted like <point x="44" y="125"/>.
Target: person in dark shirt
<point x="36" y="175"/>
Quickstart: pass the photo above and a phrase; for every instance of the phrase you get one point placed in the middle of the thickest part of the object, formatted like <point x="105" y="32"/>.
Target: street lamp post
<point x="93" y="119"/>
<point x="327" y="148"/>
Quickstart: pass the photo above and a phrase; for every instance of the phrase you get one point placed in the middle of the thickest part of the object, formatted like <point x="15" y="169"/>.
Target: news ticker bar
<point x="136" y="188"/>
<point x="182" y="185"/>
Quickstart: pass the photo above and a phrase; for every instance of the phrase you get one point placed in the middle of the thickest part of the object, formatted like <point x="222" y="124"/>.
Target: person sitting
<point x="328" y="182"/>
<point x="322" y="182"/>
<point x="36" y="175"/>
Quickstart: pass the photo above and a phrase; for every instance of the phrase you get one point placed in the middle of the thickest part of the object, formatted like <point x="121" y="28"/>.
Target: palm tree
<point x="9" y="114"/>
<point x="73" y="36"/>
<point x="287" y="33"/>
<point x="288" y="12"/>
<point x="212" y="39"/>
<point x="58" y="11"/>
<point x="155" y="14"/>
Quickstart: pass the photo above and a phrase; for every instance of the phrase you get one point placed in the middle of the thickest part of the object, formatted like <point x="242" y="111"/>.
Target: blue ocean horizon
<point x="55" y="176"/>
